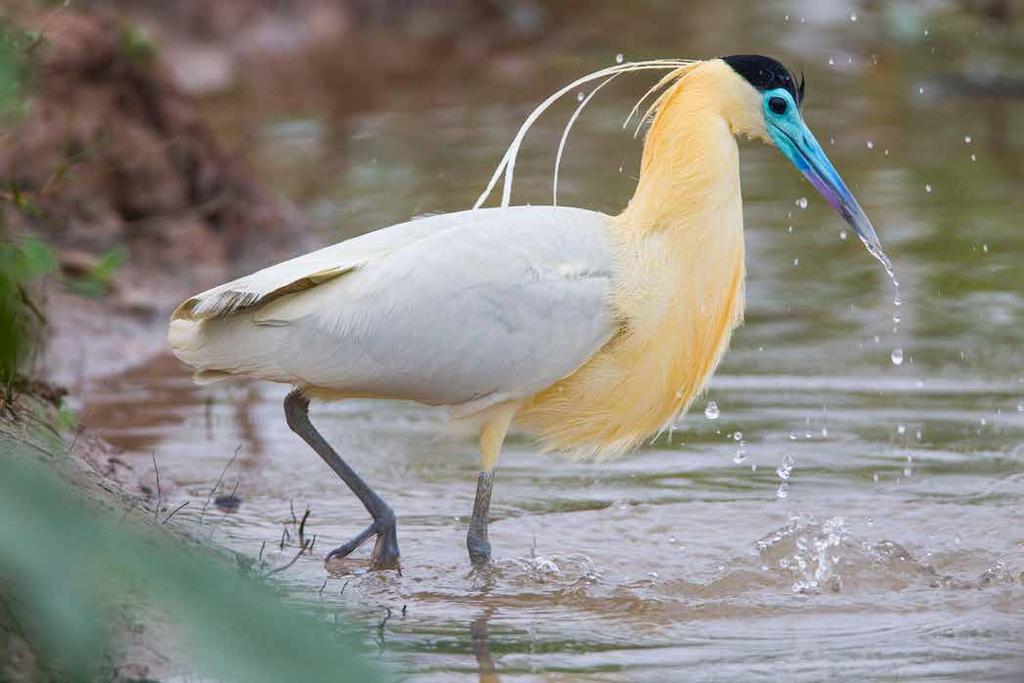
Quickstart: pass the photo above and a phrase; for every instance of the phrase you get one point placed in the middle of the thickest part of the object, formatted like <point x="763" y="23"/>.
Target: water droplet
<point x="897" y="356"/>
<point x="974" y="157"/>
<point x="928" y="188"/>
<point x="917" y="435"/>
<point x="824" y="432"/>
<point x="796" y="262"/>
<point x="1020" y="407"/>
<point x="875" y="477"/>
<point x="580" y="96"/>
<point x="738" y="436"/>
<point x="967" y="139"/>
<point x="984" y="247"/>
<point x="901" y="428"/>
<point x="741" y="455"/>
<point x="870" y="144"/>
<point x="853" y="16"/>
<point x="831" y="62"/>
<point x="897" y="300"/>
<point x="786" y="468"/>
<point x="802" y="202"/>
<point x="619" y="58"/>
<point x="782" y="491"/>
<point x="920" y="91"/>
<point x="679" y="394"/>
<point x="896" y="317"/>
<point x="712" y="412"/>
<point x="790" y="230"/>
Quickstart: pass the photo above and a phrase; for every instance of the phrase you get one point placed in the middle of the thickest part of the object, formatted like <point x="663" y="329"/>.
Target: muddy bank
<point x="114" y="166"/>
<point x="113" y="154"/>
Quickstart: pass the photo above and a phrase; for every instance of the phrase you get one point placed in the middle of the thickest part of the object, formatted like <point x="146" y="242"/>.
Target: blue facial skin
<point x="795" y="140"/>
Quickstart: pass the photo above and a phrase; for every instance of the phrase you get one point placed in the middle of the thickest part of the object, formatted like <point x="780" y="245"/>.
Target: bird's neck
<point x="690" y="165"/>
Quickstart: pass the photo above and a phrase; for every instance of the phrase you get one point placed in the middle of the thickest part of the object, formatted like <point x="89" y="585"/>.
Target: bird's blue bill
<point x="796" y="141"/>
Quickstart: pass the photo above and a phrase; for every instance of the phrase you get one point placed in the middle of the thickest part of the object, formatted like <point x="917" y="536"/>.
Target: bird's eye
<point x="777" y="105"/>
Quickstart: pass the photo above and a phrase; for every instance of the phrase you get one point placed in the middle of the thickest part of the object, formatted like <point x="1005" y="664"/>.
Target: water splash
<point x="808" y="551"/>
<point x="785" y="470"/>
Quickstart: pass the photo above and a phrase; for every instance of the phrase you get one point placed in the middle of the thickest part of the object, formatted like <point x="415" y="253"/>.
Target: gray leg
<point x="385" y="550"/>
<point x="476" y="540"/>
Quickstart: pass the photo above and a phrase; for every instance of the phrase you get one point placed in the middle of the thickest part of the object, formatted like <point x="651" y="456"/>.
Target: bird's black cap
<point x="765" y="73"/>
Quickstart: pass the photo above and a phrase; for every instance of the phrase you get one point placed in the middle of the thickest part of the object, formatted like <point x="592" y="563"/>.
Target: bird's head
<point x="767" y="106"/>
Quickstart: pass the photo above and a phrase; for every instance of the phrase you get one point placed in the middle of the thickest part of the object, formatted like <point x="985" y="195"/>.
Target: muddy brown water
<point x="836" y="516"/>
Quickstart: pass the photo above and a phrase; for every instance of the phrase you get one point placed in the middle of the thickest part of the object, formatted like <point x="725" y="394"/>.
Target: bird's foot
<point x="385" y="553"/>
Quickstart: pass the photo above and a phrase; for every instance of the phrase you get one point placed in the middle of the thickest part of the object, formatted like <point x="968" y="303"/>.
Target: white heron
<point x="589" y="331"/>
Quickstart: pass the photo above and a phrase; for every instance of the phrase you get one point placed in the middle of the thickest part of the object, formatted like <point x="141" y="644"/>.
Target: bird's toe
<point x="385" y="550"/>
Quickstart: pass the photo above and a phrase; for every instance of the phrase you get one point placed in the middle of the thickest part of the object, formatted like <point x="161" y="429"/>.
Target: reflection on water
<point x="836" y="514"/>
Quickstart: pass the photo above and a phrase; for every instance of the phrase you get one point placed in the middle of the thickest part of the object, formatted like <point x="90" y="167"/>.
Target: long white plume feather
<point x="507" y="164"/>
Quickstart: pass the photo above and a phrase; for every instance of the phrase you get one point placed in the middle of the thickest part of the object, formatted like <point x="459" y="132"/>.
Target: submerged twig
<point x="302" y="525"/>
<point x="220" y="479"/>
<point x="159" y="492"/>
<point x="175" y="511"/>
<point x="382" y="624"/>
<point x="290" y="563"/>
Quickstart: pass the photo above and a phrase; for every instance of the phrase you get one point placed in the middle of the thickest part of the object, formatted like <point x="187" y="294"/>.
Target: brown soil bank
<point x="113" y="154"/>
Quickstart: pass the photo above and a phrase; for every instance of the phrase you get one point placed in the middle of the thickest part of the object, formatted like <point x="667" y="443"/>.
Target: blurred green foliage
<point x="12" y="69"/>
<point x="67" y="566"/>
<point x="136" y="46"/>
<point x="26" y="259"/>
<point x="97" y="280"/>
<point x="21" y="262"/>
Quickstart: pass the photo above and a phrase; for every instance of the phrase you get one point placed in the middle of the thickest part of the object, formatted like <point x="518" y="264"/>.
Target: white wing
<point x="466" y="309"/>
<point x="315" y="267"/>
